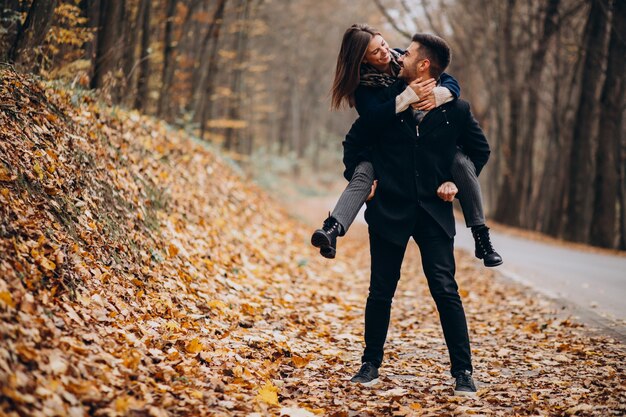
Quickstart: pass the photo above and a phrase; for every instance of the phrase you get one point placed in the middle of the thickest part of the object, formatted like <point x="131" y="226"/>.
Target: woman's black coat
<point x="410" y="167"/>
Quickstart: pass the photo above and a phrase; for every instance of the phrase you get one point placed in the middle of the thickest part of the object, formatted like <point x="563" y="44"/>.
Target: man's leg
<point x="385" y="273"/>
<point x="437" y="251"/>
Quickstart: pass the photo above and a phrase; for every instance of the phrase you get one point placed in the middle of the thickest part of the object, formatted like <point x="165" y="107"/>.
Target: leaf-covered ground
<point x="141" y="276"/>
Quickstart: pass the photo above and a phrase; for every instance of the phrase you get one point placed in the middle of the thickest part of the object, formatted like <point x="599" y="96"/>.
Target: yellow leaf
<point x="5" y="175"/>
<point x="38" y="171"/>
<point x="47" y="264"/>
<point x="131" y="361"/>
<point x="194" y="346"/>
<point x="6" y="298"/>
<point x="172" y="250"/>
<point x="415" y="406"/>
<point x="172" y="325"/>
<point x="217" y="304"/>
<point x="196" y="394"/>
<point x="122" y="404"/>
<point x="268" y="394"/>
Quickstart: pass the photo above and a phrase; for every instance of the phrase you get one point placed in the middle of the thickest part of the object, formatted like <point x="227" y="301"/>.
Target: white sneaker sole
<point x="465" y="394"/>
<point x="368" y="384"/>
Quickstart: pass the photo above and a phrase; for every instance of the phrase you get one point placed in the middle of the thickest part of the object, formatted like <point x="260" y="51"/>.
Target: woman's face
<point x="378" y="54"/>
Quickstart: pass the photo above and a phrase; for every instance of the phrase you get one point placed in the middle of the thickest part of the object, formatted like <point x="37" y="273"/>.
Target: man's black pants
<point x="436" y="249"/>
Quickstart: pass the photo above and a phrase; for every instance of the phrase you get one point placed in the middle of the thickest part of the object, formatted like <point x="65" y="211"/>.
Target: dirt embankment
<point x="139" y="275"/>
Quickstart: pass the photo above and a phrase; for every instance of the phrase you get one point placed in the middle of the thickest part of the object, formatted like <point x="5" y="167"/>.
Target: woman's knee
<point x="363" y="177"/>
<point x="462" y="163"/>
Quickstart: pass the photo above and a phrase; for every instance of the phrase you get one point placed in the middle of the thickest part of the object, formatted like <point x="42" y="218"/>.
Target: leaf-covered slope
<point x="127" y="252"/>
<point x="140" y="276"/>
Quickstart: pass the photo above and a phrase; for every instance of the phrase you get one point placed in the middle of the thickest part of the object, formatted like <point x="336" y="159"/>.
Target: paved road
<point x="591" y="281"/>
<point x="592" y="285"/>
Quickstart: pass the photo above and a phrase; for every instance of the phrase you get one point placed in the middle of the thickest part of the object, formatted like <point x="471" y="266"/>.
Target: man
<point x="412" y="157"/>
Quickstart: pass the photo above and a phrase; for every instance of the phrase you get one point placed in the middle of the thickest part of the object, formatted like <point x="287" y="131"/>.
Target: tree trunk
<point x="205" y="73"/>
<point x="524" y="182"/>
<point x="91" y="10"/>
<point x="168" y="60"/>
<point x="129" y="61"/>
<point x="107" y="56"/>
<point x="32" y="33"/>
<point x="507" y="210"/>
<point x="205" y="102"/>
<point x="9" y="26"/>
<point x="606" y="187"/>
<point x="144" y="61"/>
<point x="232" y="135"/>
<point x="622" y="194"/>
<point x="581" y="173"/>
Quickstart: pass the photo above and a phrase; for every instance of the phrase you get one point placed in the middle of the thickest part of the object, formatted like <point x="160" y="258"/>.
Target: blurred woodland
<point x="546" y="79"/>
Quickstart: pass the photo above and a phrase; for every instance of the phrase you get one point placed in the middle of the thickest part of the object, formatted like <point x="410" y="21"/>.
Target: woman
<point x="365" y="62"/>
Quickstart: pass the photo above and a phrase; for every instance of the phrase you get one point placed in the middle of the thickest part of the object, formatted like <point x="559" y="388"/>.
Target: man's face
<point x="409" y="63"/>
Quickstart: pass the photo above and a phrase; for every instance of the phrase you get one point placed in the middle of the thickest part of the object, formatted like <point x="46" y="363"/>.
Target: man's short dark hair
<point x="436" y="50"/>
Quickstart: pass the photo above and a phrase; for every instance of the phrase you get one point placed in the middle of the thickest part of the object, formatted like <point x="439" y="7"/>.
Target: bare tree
<point x="144" y="61"/>
<point x="107" y="57"/>
<point x="608" y="162"/>
<point x="582" y="169"/>
<point x="32" y="32"/>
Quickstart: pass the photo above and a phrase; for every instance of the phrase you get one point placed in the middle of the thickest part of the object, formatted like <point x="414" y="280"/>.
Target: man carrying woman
<point x="366" y="64"/>
<point x="413" y="152"/>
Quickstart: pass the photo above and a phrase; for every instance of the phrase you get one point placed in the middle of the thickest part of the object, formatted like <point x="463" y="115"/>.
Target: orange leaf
<point x="6" y="298"/>
<point x="194" y="346"/>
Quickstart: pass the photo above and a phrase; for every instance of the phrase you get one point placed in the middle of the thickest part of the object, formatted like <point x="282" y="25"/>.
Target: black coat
<point x="410" y="168"/>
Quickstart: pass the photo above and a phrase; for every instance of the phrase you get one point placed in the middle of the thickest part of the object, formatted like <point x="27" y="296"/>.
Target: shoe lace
<point x="484" y="241"/>
<point x="330" y="224"/>
<point x="464" y="379"/>
<point x="365" y="369"/>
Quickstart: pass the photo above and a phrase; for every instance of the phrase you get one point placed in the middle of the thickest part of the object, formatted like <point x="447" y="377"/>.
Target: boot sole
<point x="319" y="239"/>
<point x="328" y="252"/>
<point x="485" y="263"/>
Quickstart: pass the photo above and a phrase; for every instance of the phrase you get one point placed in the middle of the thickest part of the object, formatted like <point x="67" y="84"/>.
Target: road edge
<point x="594" y="323"/>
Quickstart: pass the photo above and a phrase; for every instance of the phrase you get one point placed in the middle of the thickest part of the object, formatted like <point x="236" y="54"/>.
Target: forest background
<point x="546" y="80"/>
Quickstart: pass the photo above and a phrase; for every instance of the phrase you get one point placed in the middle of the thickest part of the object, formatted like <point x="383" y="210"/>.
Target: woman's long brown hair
<point x="353" y="49"/>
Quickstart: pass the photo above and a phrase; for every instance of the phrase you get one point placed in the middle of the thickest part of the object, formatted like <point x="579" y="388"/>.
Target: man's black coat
<point x="410" y="167"/>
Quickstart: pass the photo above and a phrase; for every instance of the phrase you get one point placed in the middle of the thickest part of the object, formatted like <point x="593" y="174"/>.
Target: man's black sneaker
<point x="326" y="237"/>
<point x="464" y="385"/>
<point x="484" y="248"/>
<point x="367" y="375"/>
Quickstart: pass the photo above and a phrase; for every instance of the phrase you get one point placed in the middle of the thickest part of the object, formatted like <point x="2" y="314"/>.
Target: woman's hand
<point x="447" y="191"/>
<point x="374" y="185"/>
<point x="423" y="88"/>
<point x="426" y="104"/>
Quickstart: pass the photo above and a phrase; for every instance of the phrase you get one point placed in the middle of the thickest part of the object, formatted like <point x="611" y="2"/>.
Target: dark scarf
<point x="371" y="77"/>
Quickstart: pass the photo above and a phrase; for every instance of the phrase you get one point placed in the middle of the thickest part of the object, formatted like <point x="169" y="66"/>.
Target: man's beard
<point x="404" y="75"/>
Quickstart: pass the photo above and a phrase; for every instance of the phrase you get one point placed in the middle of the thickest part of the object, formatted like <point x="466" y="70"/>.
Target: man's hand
<point x="423" y="88"/>
<point x="369" y="197"/>
<point x="447" y="191"/>
<point x="426" y="104"/>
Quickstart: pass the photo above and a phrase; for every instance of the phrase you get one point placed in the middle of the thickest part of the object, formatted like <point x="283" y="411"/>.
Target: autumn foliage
<point x="141" y="275"/>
